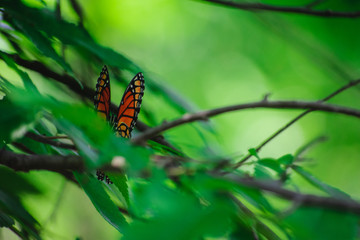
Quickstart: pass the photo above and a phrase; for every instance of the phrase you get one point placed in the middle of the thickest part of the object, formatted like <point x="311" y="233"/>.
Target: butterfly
<point x="125" y="119"/>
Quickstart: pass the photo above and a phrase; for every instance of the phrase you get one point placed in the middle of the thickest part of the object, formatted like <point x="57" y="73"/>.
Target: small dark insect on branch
<point x="306" y="10"/>
<point x="274" y="135"/>
<point x="187" y="118"/>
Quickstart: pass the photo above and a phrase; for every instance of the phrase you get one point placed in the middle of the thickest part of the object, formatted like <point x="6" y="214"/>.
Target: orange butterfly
<point x="125" y="119"/>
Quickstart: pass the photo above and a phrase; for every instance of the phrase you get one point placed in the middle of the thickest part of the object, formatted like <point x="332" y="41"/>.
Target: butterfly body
<point x="125" y="119"/>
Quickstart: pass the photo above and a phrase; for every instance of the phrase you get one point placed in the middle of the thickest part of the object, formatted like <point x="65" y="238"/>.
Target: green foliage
<point x="101" y="200"/>
<point x="12" y="186"/>
<point x="321" y="224"/>
<point x="161" y="191"/>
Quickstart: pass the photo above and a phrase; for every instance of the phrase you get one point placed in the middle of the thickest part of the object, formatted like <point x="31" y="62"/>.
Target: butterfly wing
<point x="102" y="106"/>
<point x="130" y="106"/>
<point x="102" y="94"/>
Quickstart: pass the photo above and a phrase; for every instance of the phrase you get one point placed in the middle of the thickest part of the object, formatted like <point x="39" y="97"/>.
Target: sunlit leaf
<point x="272" y="164"/>
<point x="19" y="20"/>
<point x="286" y="159"/>
<point x="120" y="181"/>
<point x="28" y="84"/>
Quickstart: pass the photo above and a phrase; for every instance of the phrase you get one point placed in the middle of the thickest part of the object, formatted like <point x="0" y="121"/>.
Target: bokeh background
<point x="211" y="56"/>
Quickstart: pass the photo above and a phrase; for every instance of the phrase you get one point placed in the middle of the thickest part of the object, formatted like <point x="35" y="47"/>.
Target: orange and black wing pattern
<point x="102" y="94"/>
<point x="125" y="119"/>
<point x="130" y="106"/>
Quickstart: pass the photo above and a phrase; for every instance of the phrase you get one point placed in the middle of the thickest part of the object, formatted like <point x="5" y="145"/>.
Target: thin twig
<point x="343" y="205"/>
<point x="203" y="115"/>
<point x="284" y="9"/>
<point x="309" y="145"/>
<point x="43" y="139"/>
<point x="333" y="94"/>
<point x="23" y="148"/>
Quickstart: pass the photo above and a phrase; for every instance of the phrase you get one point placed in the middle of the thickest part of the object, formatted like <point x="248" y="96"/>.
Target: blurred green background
<point x="215" y="56"/>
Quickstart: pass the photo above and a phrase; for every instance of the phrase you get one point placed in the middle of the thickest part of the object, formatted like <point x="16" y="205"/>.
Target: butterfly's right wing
<point x="130" y="106"/>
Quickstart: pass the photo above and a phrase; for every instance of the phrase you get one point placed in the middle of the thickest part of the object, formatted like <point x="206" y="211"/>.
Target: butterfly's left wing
<point x="130" y="106"/>
<point x="102" y="94"/>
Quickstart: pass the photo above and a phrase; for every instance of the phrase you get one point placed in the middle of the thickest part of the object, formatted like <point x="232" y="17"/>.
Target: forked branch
<point x="278" y="132"/>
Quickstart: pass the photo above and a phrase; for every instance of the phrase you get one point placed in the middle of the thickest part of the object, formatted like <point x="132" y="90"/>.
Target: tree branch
<point x="204" y="115"/>
<point x="344" y="205"/>
<point x="55" y="163"/>
<point x="298" y="10"/>
<point x="259" y="147"/>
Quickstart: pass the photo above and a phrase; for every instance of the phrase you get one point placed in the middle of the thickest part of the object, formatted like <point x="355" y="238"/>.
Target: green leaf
<point x="15" y="183"/>
<point x="256" y="198"/>
<point x="286" y="159"/>
<point x="5" y="220"/>
<point x="41" y="41"/>
<point x="16" y="115"/>
<point x="272" y="164"/>
<point x="101" y="200"/>
<point x="28" y="84"/>
<point x="183" y="216"/>
<point x="242" y="232"/>
<point x="120" y="181"/>
<point x="319" y="184"/>
<point x="164" y="149"/>
<point x="318" y="224"/>
<point x="254" y="153"/>
<point x="262" y="172"/>
<point x="12" y="206"/>
<point x="82" y="142"/>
